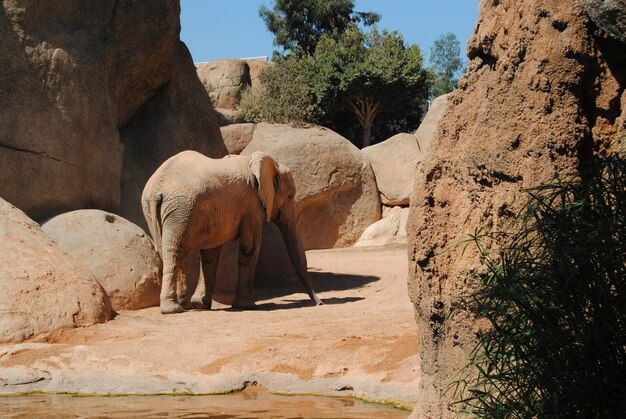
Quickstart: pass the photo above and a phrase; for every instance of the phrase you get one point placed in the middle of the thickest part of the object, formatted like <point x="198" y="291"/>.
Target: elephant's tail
<point x="155" y="225"/>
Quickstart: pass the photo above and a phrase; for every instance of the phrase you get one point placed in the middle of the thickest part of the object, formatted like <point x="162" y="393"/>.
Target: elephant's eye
<point x="290" y="196"/>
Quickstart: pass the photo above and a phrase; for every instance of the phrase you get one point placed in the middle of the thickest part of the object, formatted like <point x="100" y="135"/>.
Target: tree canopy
<point x="298" y="25"/>
<point x="446" y="64"/>
<point x="355" y="77"/>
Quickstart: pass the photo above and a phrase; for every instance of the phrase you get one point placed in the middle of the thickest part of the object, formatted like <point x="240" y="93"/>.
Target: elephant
<point x="193" y="203"/>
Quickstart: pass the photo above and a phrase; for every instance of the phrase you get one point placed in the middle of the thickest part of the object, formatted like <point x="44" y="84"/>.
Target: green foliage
<point x="555" y="300"/>
<point x="445" y="64"/>
<point x="298" y="25"/>
<point x="285" y="97"/>
<point x="351" y="80"/>
<point x="372" y="76"/>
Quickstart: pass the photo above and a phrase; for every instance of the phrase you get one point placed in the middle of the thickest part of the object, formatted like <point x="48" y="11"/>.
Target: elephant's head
<point x="277" y="190"/>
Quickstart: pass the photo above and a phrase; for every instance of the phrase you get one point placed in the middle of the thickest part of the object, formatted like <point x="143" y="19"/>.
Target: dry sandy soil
<point x="361" y="343"/>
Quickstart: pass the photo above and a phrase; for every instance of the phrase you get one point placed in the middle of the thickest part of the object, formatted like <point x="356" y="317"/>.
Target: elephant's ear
<point x="264" y="168"/>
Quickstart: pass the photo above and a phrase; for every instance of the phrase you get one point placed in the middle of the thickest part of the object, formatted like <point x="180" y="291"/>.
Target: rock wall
<point x="74" y="74"/>
<point x="543" y="93"/>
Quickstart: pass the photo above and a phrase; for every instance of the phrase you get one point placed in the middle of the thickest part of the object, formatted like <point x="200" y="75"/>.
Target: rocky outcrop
<point x="78" y="74"/>
<point x="425" y="133"/>
<point x="179" y="117"/>
<point x="257" y="67"/>
<point x="391" y="229"/>
<point x="42" y="288"/>
<point x="394" y="162"/>
<point x="336" y="196"/>
<point x="609" y="15"/>
<point x="237" y="136"/>
<point x="224" y="81"/>
<point x="541" y="96"/>
<point x="118" y="254"/>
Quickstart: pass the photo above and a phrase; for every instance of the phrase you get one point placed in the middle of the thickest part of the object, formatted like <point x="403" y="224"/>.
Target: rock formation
<point x="609" y="15"/>
<point x="336" y="196"/>
<point x="80" y="78"/>
<point x="224" y="81"/>
<point x="237" y="136"/>
<point x="42" y="288"/>
<point x="541" y="96"/>
<point x="391" y="229"/>
<point x="394" y="162"/>
<point x="118" y="254"/>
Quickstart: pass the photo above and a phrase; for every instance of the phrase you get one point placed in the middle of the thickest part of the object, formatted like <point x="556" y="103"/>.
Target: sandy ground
<point x="361" y="343"/>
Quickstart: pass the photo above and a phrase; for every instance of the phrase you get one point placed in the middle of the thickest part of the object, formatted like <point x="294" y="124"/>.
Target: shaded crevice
<point x="37" y="153"/>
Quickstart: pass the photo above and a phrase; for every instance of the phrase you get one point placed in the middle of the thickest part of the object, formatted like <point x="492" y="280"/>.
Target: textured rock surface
<point x="542" y="95"/>
<point x="42" y="288"/>
<point x="425" y="133"/>
<point x="224" y="81"/>
<point x="118" y="254"/>
<point x="257" y="67"/>
<point x="178" y="117"/>
<point x="77" y="73"/>
<point x="394" y="162"/>
<point x="336" y="196"/>
<point x="391" y="229"/>
<point x="609" y="15"/>
<point x="229" y="116"/>
<point x="237" y="137"/>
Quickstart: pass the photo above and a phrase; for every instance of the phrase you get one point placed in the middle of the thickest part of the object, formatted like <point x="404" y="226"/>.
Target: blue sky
<point x="214" y="29"/>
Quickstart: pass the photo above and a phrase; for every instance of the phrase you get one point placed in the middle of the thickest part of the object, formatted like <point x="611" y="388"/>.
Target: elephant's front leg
<point x="249" y="246"/>
<point x="203" y="297"/>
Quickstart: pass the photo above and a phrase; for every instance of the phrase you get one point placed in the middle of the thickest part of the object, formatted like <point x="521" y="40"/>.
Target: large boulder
<point x="117" y="252"/>
<point x="394" y="163"/>
<point x="224" y="81"/>
<point x="391" y="229"/>
<point x="425" y="133"/>
<point x="78" y="73"/>
<point x="42" y="288"/>
<point x="237" y="136"/>
<point x="609" y="15"/>
<point x="336" y="195"/>
<point x="257" y="67"/>
<point x="541" y="96"/>
<point x="229" y="116"/>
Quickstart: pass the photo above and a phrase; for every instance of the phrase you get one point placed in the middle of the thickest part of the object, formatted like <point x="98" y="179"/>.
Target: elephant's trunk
<point x="298" y="257"/>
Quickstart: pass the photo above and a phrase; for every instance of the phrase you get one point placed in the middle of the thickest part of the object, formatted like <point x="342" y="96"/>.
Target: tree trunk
<point x="365" y="109"/>
<point x="367" y="133"/>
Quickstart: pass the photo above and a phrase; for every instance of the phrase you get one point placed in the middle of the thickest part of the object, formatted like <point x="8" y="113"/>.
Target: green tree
<point x="354" y="80"/>
<point x="374" y="77"/>
<point x="298" y="25"/>
<point x="446" y="64"/>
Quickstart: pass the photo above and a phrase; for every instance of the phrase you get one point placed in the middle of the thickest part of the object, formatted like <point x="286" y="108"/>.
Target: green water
<point x="248" y="404"/>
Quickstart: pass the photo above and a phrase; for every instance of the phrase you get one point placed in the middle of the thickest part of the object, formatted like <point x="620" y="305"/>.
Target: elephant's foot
<point x="201" y="304"/>
<point x="316" y="301"/>
<point x="170" y="307"/>
<point x="244" y="305"/>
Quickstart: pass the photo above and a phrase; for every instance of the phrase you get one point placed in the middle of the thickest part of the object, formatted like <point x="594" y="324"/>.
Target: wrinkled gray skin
<point x="193" y="203"/>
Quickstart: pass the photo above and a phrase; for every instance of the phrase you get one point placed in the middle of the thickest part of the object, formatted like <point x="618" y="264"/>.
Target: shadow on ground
<point x="322" y="282"/>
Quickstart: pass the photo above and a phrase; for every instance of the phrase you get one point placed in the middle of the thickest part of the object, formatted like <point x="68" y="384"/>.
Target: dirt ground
<point x="361" y="342"/>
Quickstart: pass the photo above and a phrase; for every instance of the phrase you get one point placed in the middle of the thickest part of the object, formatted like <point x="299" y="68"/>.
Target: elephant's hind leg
<point x="172" y="278"/>
<point x="203" y="297"/>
